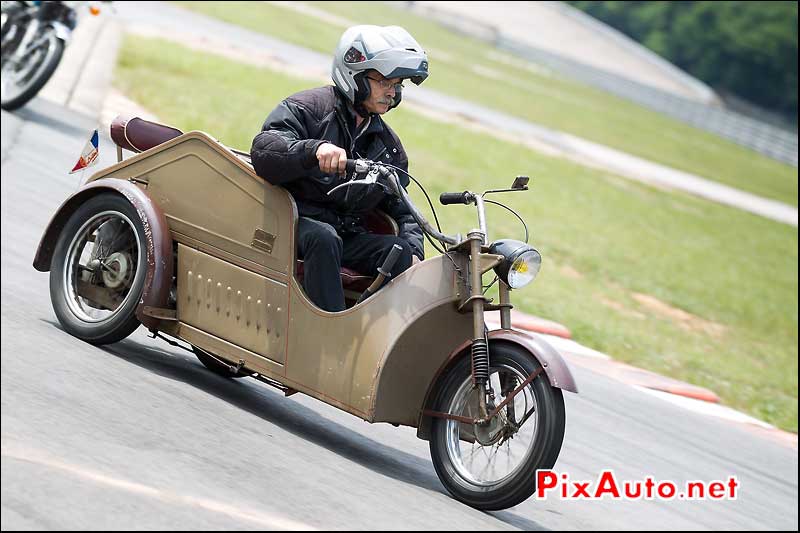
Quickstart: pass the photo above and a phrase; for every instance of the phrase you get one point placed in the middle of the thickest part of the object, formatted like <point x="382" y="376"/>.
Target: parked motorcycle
<point x="187" y="239"/>
<point x="34" y="35"/>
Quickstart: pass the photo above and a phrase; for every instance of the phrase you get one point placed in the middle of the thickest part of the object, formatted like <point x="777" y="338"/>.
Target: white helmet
<point x="388" y="49"/>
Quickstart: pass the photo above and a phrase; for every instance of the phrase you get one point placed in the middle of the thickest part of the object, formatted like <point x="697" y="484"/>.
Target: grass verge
<point x="472" y="70"/>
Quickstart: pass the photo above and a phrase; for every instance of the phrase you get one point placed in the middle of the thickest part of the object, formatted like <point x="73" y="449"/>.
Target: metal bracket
<point x="160" y="313"/>
<point x="487" y="418"/>
<point x="466" y="307"/>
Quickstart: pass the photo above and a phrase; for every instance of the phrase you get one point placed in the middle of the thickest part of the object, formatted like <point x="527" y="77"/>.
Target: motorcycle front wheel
<point x="98" y="270"/>
<point x="23" y="78"/>
<point x="493" y="466"/>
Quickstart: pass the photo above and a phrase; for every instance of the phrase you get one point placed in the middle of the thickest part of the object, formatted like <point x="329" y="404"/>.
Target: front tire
<point x="22" y="82"/>
<point x="98" y="270"/>
<point x="507" y="457"/>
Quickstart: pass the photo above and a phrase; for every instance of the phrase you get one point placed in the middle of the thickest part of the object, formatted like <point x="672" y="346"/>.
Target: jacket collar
<point x="345" y="109"/>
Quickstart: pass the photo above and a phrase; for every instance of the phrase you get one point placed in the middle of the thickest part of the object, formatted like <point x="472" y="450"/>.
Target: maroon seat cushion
<point x="351" y="280"/>
<point x="137" y="135"/>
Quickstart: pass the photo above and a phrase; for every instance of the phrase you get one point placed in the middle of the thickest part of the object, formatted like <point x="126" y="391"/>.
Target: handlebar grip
<point x="350" y="166"/>
<point x="447" y="198"/>
<point x="391" y="259"/>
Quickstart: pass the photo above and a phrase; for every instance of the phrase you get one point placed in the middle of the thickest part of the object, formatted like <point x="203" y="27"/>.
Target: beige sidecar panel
<point x="349" y="358"/>
<point x="417" y="356"/>
<point x="214" y="201"/>
<point x="232" y="304"/>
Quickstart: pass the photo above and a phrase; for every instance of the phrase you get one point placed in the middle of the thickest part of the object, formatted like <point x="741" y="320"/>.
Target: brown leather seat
<point x="137" y="135"/>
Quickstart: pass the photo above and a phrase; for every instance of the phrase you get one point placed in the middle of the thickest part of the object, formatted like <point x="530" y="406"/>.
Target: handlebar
<point x="359" y="166"/>
<point x="448" y="198"/>
<point x="377" y="169"/>
<point x="366" y="172"/>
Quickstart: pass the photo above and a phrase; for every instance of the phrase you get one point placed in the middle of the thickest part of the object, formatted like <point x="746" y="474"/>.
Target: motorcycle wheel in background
<point x="23" y="77"/>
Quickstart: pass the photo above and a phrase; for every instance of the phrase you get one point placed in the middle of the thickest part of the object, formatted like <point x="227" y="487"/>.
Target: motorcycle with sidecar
<point x="185" y="238"/>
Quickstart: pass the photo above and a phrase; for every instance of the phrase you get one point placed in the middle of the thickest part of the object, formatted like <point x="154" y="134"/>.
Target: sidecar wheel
<point x="494" y="467"/>
<point x="98" y="270"/>
<point x="215" y="366"/>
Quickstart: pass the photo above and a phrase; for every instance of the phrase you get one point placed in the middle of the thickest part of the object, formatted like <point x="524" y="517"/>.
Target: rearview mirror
<point x="520" y="183"/>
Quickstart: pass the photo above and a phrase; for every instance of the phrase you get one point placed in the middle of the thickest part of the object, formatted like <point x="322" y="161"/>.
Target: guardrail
<point x="767" y="139"/>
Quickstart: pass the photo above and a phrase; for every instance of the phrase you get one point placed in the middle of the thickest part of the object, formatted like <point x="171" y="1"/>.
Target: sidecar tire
<point x="215" y="366"/>
<point x="522" y="483"/>
<point x="44" y="76"/>
<point x="123" y="321"/>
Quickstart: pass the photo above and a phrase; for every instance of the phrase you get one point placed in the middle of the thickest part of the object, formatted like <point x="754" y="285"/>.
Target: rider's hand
<point x="332" y="159"/>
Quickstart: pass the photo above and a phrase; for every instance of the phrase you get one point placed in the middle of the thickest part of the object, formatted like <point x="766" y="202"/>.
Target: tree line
<point x="748" y="49"/>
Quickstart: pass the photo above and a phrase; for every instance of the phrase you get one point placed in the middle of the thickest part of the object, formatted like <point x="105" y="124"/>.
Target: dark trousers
<point x="324" y="252"/>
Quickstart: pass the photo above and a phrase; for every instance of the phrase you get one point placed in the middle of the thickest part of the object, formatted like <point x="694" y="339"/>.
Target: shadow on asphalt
<point x="293" y="417"/>
<point x="525" y="524"/>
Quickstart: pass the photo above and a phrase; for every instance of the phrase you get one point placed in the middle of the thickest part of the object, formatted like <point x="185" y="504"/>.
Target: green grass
<point x="475" y="71"/>
<point x="603" y="238"/>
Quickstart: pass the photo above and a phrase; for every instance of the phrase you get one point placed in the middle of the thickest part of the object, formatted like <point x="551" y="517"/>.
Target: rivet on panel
<point x="249" y="314"/>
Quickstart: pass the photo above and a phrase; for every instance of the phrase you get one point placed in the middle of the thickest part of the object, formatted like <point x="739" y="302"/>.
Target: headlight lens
<point x="521" y="264"/>
<point x="524" y="269"/>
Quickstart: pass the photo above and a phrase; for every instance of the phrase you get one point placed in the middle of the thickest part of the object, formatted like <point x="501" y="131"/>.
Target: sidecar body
<point x="222" y="275"/>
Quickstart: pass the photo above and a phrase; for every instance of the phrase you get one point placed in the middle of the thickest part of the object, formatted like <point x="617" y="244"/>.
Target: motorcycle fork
<point x="480" y="347"/>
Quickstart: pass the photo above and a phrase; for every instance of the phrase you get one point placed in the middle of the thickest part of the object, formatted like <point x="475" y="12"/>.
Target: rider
<point x="304" y="145"/>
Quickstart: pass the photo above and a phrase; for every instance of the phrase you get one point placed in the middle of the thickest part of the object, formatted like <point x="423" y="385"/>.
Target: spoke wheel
<point x="493" y="465"/>
<point x="98" y="270"/>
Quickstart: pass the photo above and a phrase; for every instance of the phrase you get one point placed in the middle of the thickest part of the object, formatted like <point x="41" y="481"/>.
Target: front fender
<point x="158" y="240"/>
<point x="555" y="367"/>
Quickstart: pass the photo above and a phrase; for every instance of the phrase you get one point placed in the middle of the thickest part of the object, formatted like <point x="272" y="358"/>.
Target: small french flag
<point x="89" y="154"/>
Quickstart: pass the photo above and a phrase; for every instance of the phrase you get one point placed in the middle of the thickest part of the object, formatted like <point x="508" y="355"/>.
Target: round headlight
<point x="521" y="263"/>
<point x="524" y="269"/>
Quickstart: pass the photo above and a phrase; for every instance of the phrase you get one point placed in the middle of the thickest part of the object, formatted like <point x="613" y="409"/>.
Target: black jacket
<point x="284" y="154"/>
